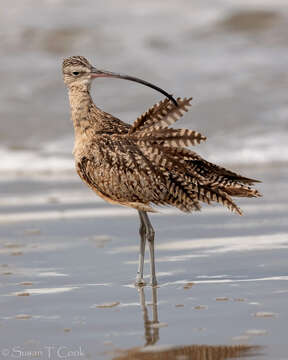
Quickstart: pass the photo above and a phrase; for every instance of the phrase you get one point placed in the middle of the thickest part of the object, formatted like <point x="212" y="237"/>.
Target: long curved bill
<point x="96" y="73"/>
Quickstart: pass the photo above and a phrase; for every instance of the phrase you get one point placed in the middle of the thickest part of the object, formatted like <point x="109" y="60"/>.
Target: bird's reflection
<point x="151" y="331"/>
<point x="151" y="351"/>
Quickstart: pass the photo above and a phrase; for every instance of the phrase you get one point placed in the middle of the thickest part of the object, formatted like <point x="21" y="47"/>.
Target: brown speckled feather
<point x="161" y="115"/>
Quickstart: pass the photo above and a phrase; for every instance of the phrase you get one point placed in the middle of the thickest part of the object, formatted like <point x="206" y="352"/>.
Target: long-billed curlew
<point x="144" y="163"/>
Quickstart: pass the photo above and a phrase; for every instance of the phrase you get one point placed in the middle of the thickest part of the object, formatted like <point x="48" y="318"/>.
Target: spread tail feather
<point x="170" y="137"/>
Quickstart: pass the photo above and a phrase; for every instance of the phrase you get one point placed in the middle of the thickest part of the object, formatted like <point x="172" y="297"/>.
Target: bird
<point x="146" y="163"/>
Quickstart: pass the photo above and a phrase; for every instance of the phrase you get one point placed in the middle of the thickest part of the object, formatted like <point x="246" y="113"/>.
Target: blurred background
<point x="231" y="56"/>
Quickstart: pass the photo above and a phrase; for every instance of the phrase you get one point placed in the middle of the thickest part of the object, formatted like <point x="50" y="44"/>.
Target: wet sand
<point x="68" y="263"/>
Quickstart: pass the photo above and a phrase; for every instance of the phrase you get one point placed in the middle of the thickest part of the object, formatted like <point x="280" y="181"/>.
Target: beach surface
<point x="68" y="263"/>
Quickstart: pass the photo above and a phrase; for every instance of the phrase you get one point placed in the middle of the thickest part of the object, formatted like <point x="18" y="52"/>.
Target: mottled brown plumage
<point x="147" y="163"/>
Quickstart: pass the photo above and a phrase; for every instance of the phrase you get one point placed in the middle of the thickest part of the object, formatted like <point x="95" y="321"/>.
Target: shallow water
<point x="68" y="262"/>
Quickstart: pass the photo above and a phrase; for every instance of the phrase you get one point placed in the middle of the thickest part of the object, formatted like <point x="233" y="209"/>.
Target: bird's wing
<point x="134" y="173"/>
<point x="161" y="115"/>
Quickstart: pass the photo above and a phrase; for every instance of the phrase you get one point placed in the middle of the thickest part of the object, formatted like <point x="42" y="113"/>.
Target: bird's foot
<point x="140" y="282"/>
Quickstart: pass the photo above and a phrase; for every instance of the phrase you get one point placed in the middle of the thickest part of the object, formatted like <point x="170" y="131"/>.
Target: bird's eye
<point x="75" y="73"/>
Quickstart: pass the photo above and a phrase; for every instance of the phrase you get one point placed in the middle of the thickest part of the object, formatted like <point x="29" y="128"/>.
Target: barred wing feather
<point x="161" y="115"/>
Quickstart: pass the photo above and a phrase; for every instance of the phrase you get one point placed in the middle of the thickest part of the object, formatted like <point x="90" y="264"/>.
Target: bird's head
<point x="78" y="72"/>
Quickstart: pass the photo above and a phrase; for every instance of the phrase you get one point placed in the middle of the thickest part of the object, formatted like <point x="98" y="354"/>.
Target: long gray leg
<point x="150" y="234"/>
<point x="142" y="231"/>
